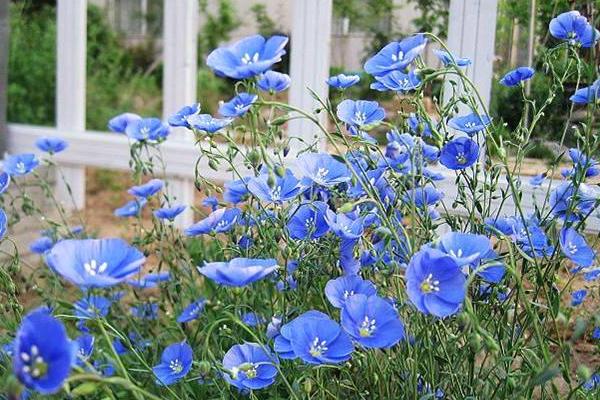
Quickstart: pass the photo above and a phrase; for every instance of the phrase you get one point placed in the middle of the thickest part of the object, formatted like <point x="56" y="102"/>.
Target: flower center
<point x="246" y="59"/>
<point x="460" y="158"/>
<point x="457" y="254"/>
<point x="572" y="248"/>
<point x="35" y="366"/>
<point x="144" y="131"/>
<point x="360" y="117"/>
<point x="430" y="285"/>
<point x="93" y="268"/>
<point x="321" y="174"/>
<point x="249" y="369"/>
<point x="398" y="57"/>
<point x="470" y="124"/>
<point x="276" y="193"/>
<point x="317" y="348"/>
<point x="176" y="366"/>
<point x="21" y="167"/>
<point x="367" y="327"/>
<point x="348" y="293"/>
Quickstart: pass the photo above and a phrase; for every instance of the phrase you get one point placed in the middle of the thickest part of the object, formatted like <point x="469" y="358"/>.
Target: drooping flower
<point x="419" y="126"/>
<point x="423" y="197"/>
<point x="239" y="271"/>
<point x="248" y="57"/>
<point x="132" y="208"/>
<point x="470" y="124"/>
<point x="343" y="81"/>
<point x="51" y="145"/>
<point x="148" y="189"/>
<point x="273" y="81"/>
<point x="397" y="81"/>
<point x="252" y="319"/>
<point x="590" y="94"/>
<point x="238" y="106"/>
<point x="4" y="181"/>
<point x="92" y="306"/>
<point x="169" y="213"/>
<point x="435" y="283"/>
<point x="371" y="321"/>
<point x="273" y="188"/>
<point x="577" y="297"/>
<point x="516" y="76"/>
<point x="85" y="348"/>
<point x="537" y="180"/>
<point x="574" y="28"/>
<point x="146" y="310"/>
<point x="360" y="113"/>
<point x="192" y="311"/>
<point x="207" y="123"/>
<point x="43" y="354"/>
<point x="147" y="129"/>
<point x="346" y="226"/>
<point x="307" y="221"/>
<point x="236" y="191"/>
<point x="119" y="123"/>
<point x="340" y="289"/>
<point x="182" y="117"/>
<point x="249" y="366"/>
<point x="149" y="281"/>
<point x="41" y="245"/>
<point x="94" y="262"/>
<point x="581" y="162"/>
<point x="396" y="56"/>
<point x="574" y="247"/>
<point x="449" y="59"/>
<point x="219" y="221"/>
<point x="175" y="363"/>
<point x="322" y="169"/>
<point x="459" y="153"/>
<point x="211" y="201"/>
<point x="572" y="204"/>
<point x="20" y="164"/>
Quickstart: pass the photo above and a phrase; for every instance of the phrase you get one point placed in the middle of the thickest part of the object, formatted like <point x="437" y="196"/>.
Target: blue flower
<point x="85" y="348"/>
<point x="92" y="307"/>
<point x="574" y="246"/>
<point x="516" y="76"/>
<point x="570" y="204"/>
<point x="147" y="311"/>
<point x="575" y="28"/>
<point x="175" y="363"/>
<point x="238" y="106"/>
<point x="249" y="366"/>
<point x="148" y="189"/>
<point x="360" y="113"/>
<point x="447" y="59"/>
<point x="459" y="153"/>
<point x="584" y="163"/>
<point x="211" y="201"/>
<point x="132" y="208"/>
<point x="41" y="245"/>
<point x="20" y="164"/>
<point x="537" y="180"/>
<point x="322" y="169"/>
<point x="596" y="333"/>
<point x="43" y="354"/>
<point x="192" y="311"/>
<point x="340" y="289"/>
<point x="182" y="117"/>
<point x="252" y="319"/>
<point x="239" y="271"/>
<point x="249" y="57"/>
<point x="592" y="384"/>
<point x="396" y="55"/>
<point x="236" y="191"/>
<point x="419" y="126"/>
<point x="470" y="124"/>
<point x="147" y="129"/>
<point x="397" y="81"/>
<point x="586" y="95"/>
<point x="315" y="339"/>
<point x="51" y="145"/>
<point x="95" y="262"/>
<point x="372" y="321"/>
<point x="423" y="197"/>
<point x="119" y="123"/>
<point x="273" y="188"/>
<point x="219" y="221"/>
<point x="4" y="181"/>
<point x="346" y="226"/>
<point x="169" y="213"/>
<point x="435" y="283"/>
<point x="577" y="297"/>
<point x="307" y="221"/>
<point x="343" y="81"/>
<point x="149" y="281"/>
<point x="272" y="81"/>
<point x="274" y="327"/>
<point x="207" y="123"/>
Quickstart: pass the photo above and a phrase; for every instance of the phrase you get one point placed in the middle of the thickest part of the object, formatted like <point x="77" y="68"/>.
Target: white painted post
<point x="471" y="33"/>
<point x="311" y="37"/>
<point x="179" y="85"/>
<point x="70" y="92"/>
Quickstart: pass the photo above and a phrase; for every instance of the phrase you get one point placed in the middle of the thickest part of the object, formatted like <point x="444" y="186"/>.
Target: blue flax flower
<point x="248" y="57"/>
<point x="397" y="81"/>
<point x="396" y="56"/>
<point x="252" y="319"/>
<point x="51" y="145"/>
<point x="574" y="246"/>
<point x="340" y="289"/>
<point x="175" y="363"/>
<point x="516" y="76"/>
<point x="419" y="126"/>
<point x="249" y="366"/>
<point x="207" y="123"/>
<point x="43" y="354"/>
<point x="236" y="191"/>
<point x="282" y="338"/>
<point x="459" y="153"/>
<point x="435" y="283"/>
<point x="346" y="226"/>
<point x="192" y="311"/>
<point x="537" y="180"/>
<point x="307" y="221"/>
<point x="211" y="201"/>
<point x="360" y="113"/>
<point x="20" y="164"/>
<point x="85" y="348"/>
<point x="238" y="106"/>
<point x="470" y="124"/>
<point x="92" y="307"/>
<point x="423" y="197"/>
<point x="119" y="123"/>
<point x="4" y="181"/>
<point x="592" y="384"/>
<point x="182" y="117"/>
<point x="95" y="262"/>
<point x="148" y="189"/>
<point x="372" y="321"/>
<point x="239" y="271"/>
<point x="584" y="163"/>
<point x="574" y="28"/>
<point x="447" y="59"/>
<point x="577" y="297"/>
<point x="343" y="81"/>
<point x="169" y="213"/>
<point x="322" y="169"/>
<point x="149" y="281"/>
<point x="572" y="204"/>
<point x="147" y="311"/>
<point x="273" y="81"/>
<point x="589" y="94"/>
<point x="132" y="208"/>
<point x="219" y="221"/>
<point x="41" y="245"/>
<point x="147" y="129"/>
<point x="272" y="188"/>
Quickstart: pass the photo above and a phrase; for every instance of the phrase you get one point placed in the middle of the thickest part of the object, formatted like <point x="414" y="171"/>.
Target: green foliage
<point x="266" y="25"/>
<point x="217" y="28"/>
<point x="433" y="16"/>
